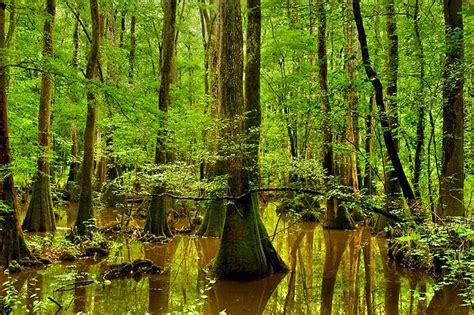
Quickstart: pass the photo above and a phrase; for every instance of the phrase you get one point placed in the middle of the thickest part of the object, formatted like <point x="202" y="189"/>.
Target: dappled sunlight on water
<point x="338" y="272"/>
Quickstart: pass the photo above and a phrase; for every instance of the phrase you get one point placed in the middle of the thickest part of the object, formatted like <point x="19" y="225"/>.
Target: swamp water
<point x="332" y="272"/>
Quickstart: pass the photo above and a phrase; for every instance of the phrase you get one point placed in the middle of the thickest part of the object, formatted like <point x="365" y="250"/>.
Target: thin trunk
<point x="85" y="216"/>
<point x="40" y="214"/>
<point x="392" y="187"/>
<point x="122" y="30"/>
<point x="369" y="149"/>
<point x="133" y="45"/>
<point x="420" y="126"/>
<point x="384" y="122"/>
<point x="451" y="190"/>
<point x="75" y="39"/>
<point x="74" y="165"/>
<point x="157" y="223"/>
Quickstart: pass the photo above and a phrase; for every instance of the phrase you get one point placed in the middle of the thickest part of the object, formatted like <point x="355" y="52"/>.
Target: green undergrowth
<point x="444" y="250"/>
<point x="64" y="248"/>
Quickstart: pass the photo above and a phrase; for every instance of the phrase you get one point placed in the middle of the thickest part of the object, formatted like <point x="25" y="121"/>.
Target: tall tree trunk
<point x="12" y="245"/>
<point x="392" y="187"/>
<point x="75" y="39"/>
<point x="336" y="217"/>
<point x="85" y="215"/>
<point x="213" y="221"/>
<point x="384" y="121"/>
<point x="133" y="45"/>
<point x="252" y="86"/>
<point x="451" y="190"/>
<point x="369" y="149"/>
<point x="352" y="104"/>
<point x="420" y="126"/>
<point x="122" y="30"/>
<point x="40" y="214"/>
<point x="157" y="222"/>
<point x="246" y="250"/>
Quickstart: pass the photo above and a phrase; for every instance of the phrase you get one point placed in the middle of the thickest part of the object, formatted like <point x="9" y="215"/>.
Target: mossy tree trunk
<point x="336" y="217"/>
<point x="85" y="216"/>
<point x="40" y="214"/>
<point x="12" y="244"/>
<point x="451" y="190"/>
<point x="157" y="221"/>
<point x="246" y="250"/>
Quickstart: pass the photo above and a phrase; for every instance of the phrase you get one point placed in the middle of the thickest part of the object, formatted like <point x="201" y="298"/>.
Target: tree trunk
<point x="420" y="126"/>
<point x="12" y="245"/>
<point x="40" y="214"/>
<point x="85" y="216"/>
<point x="336" y="217"/>
<point x="451" y="190"/>
<point x="213" y="222"/>
<point x="252" y="86"/>
<point x="369" y="150"/>
<point x="133" y="45"/>
<point x="74" y="165"/>
<point x="246" y="250"/>
<point x="157" y="222"/>
<point x="392" y="187"/>
<point x="75" y="38"/>
<point x="384" y="121"/>
<point x="352" y="104"/>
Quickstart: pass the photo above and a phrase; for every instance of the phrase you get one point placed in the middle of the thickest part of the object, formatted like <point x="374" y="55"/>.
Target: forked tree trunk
<point x="12" y="244"/>
<point x="40" y="214"/>
<point x="246" y="250"/>
<point x="85" y="216"/>
<point x="157" y="222"/>
<point x="451" y="190"/>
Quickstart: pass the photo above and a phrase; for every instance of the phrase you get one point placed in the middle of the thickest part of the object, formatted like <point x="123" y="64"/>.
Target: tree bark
<point x="451" y="190"/>
<point x="246" y="250"/>
<point x="252" y="86"/>
<point x="74" y="165"/>
<point x="156" y="222"/>
<point x="384" y="121"/>
<point x="392" y="187"/>
<point x="420" y="126"/>
<point x="40" y="214"/>
<point x="12" y="245"/>
<point x="336" y="217"/>
<point x="133" y="45"/>
<point x="352" y="104"/>
<point x="85" y="216"/>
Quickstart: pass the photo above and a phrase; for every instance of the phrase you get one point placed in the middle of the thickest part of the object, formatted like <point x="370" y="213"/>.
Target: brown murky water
<point x="332" y="272"/>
